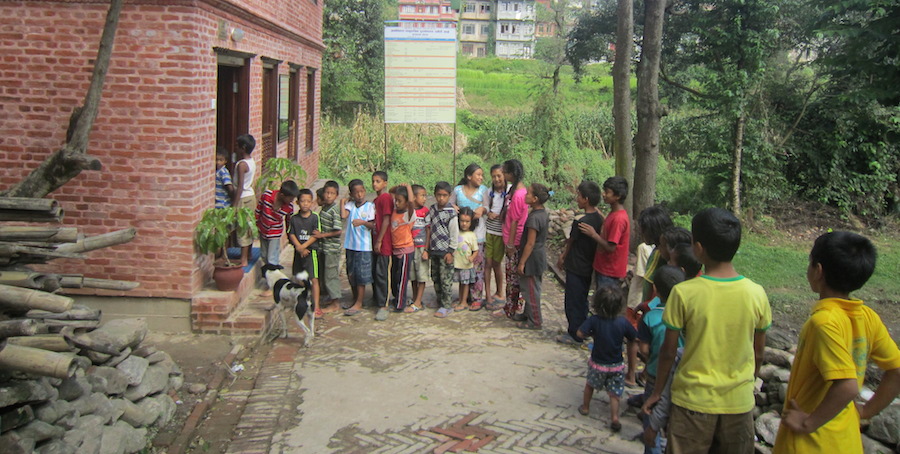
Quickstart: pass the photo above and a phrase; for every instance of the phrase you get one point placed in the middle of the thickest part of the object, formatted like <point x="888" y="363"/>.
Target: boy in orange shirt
<point x="836" y="343"/>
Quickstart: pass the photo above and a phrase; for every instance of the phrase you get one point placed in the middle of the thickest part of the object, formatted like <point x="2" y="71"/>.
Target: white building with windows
<point x="514" y="28"/>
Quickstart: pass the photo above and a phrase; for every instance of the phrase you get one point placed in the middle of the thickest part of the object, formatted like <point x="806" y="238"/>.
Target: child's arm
<point x="759" y="348"/>
<point x="527" y="250"/>
<point x="565" y="252"/>
<point x="385" y="227"/>
<point x="454" y="240"/>
<point x="295" y="242"/>
<point x="474" y="254"/>
<point x="427" y="241"/>
<point x="886" y="392"/>
<point x="240" y="169"/>
<point x="664" y="362"/>
<point x="602" y="243"/>
<point x="344" y="212"/>
<point x="836" y="399"/>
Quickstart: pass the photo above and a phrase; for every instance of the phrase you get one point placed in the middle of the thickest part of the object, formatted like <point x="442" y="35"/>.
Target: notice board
<point x="419" y="75"/>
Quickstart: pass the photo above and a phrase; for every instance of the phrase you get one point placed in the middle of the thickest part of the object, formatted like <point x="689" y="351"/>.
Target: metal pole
<point x="454" y="152"/>
<point x="384" y="167"/>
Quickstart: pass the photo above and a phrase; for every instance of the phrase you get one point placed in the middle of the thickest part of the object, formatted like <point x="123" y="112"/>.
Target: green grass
<point x="779" y="265"/>
<point x="495" y="86"/>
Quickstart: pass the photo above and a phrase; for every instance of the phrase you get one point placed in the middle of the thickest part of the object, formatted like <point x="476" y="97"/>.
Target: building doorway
<point x="232" y="102"/>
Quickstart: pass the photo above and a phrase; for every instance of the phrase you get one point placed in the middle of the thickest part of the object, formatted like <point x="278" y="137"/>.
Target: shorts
<point x="691" y="431"/>
<point x="359" y="267"/>
<point x="246" y="202"/>
<point x="494" y="249"/>
<point x="602" y="280"/>
<point x="610" y="377"/>
<point x="310" y="264"/>
<point x="466" y="276"/>
<point x="419" y="269"/>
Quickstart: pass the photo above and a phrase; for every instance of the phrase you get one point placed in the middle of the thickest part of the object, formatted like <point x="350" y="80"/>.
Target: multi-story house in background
<point x="475" y="28"/>
<point x="514" y="28"/>
<point x="426" y="13"/>
<point x="505" y="28"/>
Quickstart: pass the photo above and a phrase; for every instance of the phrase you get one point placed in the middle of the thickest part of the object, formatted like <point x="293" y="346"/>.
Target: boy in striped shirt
<point x="271" y="211"/>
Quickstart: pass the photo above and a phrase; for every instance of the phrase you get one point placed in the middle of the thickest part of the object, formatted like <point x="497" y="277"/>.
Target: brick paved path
<point x="372" y="387"/>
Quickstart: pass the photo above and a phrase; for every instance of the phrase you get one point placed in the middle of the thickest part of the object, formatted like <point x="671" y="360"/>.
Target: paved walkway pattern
<point x="380" y="387"/>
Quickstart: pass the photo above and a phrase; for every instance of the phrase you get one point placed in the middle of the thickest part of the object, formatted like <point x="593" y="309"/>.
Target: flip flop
<point x="583" y="411"/>
<point x="615" y="426"/>
<point x="351" y="312"/>
<point x="527" y="325"/>
<point x="476" y="306"/>
<point x="319" y="313"/>
<point x="412" y="308"/>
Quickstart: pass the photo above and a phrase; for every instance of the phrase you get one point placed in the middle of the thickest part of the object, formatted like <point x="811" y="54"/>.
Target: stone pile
<point x="117" y="393"/>
<point x="561" y="222"/>
<point x="881" y="435"/>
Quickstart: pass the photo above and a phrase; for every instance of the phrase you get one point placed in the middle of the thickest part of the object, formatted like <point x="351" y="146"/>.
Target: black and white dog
<point x="293" y="295"/>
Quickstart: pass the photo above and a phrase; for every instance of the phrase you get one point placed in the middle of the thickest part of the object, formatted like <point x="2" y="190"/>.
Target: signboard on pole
<point x="419" y="75"/>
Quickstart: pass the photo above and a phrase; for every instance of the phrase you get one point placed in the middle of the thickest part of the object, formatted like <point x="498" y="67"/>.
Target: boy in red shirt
<point x="611" y="260"/>
<point x="382" y="247"/>
<point x="271" y="211"/>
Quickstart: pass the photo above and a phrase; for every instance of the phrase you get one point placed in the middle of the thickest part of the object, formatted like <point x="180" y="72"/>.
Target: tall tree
<point x="649" y="109"/>
<point x="353" y="62"/>
<point x="622" y="93"/>
<point x="726" y="45"/>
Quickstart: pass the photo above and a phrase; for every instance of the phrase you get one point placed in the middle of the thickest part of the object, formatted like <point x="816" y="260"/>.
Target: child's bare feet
<point x="266" y="293"/>
<point x="332" y="307"/>
<point x="461" y="307"/>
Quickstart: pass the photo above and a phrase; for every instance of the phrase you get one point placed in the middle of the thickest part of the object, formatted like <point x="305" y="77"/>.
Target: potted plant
<point x="211" y="235"/>
<point x="277" y="171"/>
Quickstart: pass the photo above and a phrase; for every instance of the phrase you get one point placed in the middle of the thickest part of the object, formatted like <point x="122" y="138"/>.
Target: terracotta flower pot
<point x="228" y="278"/>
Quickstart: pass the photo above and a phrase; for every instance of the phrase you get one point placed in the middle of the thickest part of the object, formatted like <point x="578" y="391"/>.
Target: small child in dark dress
<point x="606" y="368"/>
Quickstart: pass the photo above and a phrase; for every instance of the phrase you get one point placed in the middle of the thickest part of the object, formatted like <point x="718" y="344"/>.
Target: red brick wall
<point x="155" y="132"/>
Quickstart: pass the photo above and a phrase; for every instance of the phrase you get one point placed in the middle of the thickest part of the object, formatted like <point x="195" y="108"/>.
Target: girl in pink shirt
<point x="515" y="211"/>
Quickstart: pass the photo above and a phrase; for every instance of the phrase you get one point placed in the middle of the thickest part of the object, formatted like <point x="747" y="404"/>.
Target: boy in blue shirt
<point x="652" y="331"/>
<point x="224" y="187"/>
<point x="360" y="216"/>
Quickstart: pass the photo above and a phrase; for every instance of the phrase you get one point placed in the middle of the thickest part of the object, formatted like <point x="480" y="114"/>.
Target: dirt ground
<point x="199" y="356"/>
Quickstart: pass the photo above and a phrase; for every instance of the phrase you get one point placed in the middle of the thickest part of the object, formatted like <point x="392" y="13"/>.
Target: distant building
<point x="505" y="28"/>
<point x="514" y="28"/>
<point x="426" y="13"/>
<point x="475" y="24"/>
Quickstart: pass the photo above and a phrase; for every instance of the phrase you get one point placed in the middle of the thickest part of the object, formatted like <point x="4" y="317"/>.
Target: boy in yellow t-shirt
<point x="724" y="317"/>
<point x="836" y="343"/>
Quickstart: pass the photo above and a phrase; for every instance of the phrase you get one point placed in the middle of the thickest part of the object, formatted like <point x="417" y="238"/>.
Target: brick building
<point x="185" y="77"/>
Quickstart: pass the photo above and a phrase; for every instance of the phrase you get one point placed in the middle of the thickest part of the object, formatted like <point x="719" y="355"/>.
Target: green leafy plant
<point x="277" y="171"/>
<point x="216" y="224"/>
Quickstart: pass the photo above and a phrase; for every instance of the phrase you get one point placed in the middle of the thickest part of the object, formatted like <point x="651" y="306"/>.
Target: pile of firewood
<point x="68" y="384"/>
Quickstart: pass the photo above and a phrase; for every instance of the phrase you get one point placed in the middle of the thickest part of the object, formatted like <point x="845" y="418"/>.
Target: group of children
<point x="700" y="334"/>
<point x="702" y="337"/>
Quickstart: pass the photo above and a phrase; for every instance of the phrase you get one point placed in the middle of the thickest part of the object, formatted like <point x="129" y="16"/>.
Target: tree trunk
<point x="622" y="93"/>
<point x="736" y="164"/>
<point x="67" y="163"/>
<point x="649" y="110"/>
